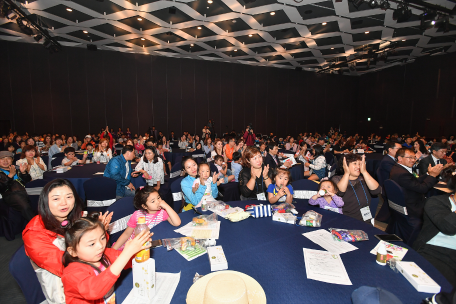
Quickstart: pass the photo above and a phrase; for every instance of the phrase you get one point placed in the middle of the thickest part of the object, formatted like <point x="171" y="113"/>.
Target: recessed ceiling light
<point x="366" y="32"/>
<point x="139" y="19"/>
<point x="199" y="27"/>
<point x="250" y="35"/>
<point x="209" y="1"/>
<point x="85" y="32"/>
<point x="433" y="22"/>
<point x="192" y="44"/>
<point x="234" y="21"/>
<point x="272" y="13"/>
<point x="143" y="39"/>
<point x="69" y="9"/>
<point x="332" y="48"/>
<point x="403" y="39"/>
<point x="235" y="50"/>
<point x="324" y="23"/>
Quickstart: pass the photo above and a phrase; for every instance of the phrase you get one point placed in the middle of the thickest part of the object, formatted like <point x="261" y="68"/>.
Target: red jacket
<point x="111" y="141"/>
<point x="249" y="139"/>
<point x="82" y="285"/>
<point x="38" y="243"/>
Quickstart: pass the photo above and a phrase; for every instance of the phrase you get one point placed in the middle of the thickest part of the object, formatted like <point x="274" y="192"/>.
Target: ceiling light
<point x="69" y="9"/>
<point x="209" y="1"/>
<point x="366" y="32"/>
<point x="250" y="35"/>
<point x="403" y="39"/>
<point x="373" y="3"/>
<point x="272" y="13"/>
<point x="143" y="39"/>
<point x="199" y="27"/>
<point x="192" y="44"/>
<point x="332" y="48"/>
<point x="433" y="22"/>
<point x="324" y="23"/>
<point x="139" y="19"/>
<point x="235" y="50"/>
<point x="85" y="32"/>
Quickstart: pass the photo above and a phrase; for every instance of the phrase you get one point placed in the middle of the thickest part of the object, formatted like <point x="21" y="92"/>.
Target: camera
<point x="249" y="128"/>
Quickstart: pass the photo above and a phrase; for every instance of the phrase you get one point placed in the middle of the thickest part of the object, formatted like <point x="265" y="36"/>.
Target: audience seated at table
<point x="71" y="159"/>
<point x="254" y="178"/>
<point x="438" y="152"/>
<point x="55" y="148"/>
<point x="35" y="164"/>
<point x="230" y="148"/>
<point x="12" y="185"/>
<point x="317" y="164"/>
<point x="151" y="166"/>
<point x="388" y="161"/>
<point x="437" y="239"/>
<point x="193" y="190"/>
<point x="329" y="200"/>
<point x="420" y="150"/>
<point x="87" y="139"/>
<point x="280" y="189"/>
<point x="59" y="206"/>
<point x="119" y="169"/>
<point x="356" y="187"/>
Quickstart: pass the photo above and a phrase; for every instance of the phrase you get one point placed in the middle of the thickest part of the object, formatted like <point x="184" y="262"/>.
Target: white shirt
<point x="435" y="159"/>
<point x="155" y="170"/>
<point x="408" y="169"/>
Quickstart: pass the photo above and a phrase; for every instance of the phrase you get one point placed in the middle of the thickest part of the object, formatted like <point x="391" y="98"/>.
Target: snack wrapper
<point x="311" y="219"/>
<point x="204" y="220"/>
<point x="349" y="235"/>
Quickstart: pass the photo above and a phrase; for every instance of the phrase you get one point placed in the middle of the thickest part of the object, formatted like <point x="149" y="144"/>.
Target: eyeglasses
<point x="411" y="157"/>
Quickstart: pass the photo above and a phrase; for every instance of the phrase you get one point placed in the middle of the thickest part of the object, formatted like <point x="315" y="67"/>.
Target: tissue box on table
<point x="217" y="258"/>
<point x="144" y="279"/>
<point x="417" y="277"/>
<point x="288" y="218"/>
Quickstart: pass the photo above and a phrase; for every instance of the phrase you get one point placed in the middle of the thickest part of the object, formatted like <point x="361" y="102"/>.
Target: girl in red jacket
<point x="91" y="269"/>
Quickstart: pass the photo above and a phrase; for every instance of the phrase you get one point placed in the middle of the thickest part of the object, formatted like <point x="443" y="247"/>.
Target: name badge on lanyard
<point x="261" y="197"/>
<point x="366" y="213"/>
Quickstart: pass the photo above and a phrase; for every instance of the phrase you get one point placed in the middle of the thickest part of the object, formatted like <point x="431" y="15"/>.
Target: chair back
<point x="56" y="161"/>
<point x="11" y="221"/>
<point x="22" y="271"/>
<point x="329" y="158"/>
<point x="331" y="170"/>
<point x="176" y="191"/>
<point x="304" y="189"/>
<point x="380" y="177"/>
<point x="100" y="193"/>
<point x="34" y="189"/>
<point x="213" y="168"/>
<point x="123" y="209"/>
<point x="395" y="196"/>
<point x="17" y="157"/>
<point x="60" y="154"/>
<point x="175" y="173"/>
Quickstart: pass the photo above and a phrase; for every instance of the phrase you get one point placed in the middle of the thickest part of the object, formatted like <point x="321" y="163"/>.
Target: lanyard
<point x="155" y="220"/>
<point x="357" y="195"/>
<point x="262" y="182"/>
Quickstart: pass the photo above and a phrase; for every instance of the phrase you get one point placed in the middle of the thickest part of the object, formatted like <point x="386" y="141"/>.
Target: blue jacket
<point x="116" y="170"/>
<point x="195" y="198"/>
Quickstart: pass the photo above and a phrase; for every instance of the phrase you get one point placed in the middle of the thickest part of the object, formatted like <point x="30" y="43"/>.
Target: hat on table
<point x="226" y="287"/>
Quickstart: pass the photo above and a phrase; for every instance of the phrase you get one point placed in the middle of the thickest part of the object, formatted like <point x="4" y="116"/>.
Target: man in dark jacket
<point x="12" y="185"/>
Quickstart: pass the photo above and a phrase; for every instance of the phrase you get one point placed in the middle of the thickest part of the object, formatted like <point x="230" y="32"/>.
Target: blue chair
<point x="332" y="170"/>
<point x="329" y="158"/>
<point x="34" y="189"/>
<point x="304" y="189"/>
<point x="57" y="161"/>
<point x="230" y="192"/>
<point x="384" y="214"/>
<point x="100" y="193"/>
<point x="17" y="157"/>
<point x="401" y="224"/>
<point x="213" y="168"/>
<point x="60" y="154"/>
<point x="198" y="156"/>
<point x="178" y="197"/>
<point x="175" y="173"/>
<point x="123" y="209"/>
<point x="22" y="271"/>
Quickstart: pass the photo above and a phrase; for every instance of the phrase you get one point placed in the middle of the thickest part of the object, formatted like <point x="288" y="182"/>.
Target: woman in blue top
<point x="194" y="193"/>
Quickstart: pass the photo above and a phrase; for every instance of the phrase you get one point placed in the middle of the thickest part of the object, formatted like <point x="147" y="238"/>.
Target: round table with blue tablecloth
<point x="272" y="253"/>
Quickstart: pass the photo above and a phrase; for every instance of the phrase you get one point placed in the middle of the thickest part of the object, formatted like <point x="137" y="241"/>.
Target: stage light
<point x="324" y="23"/>
<point x="143" y="39"/>
<point x="366" y="32"/>
<point x="139" y="19"/>
<point x="432" y="22"/>
<point x="250" y="35"/>
<point x="402" y="13"/>
<point x="192" y="44"/>
<point x="357" y="3"/>
<point x="332" y="48"/>
<point x="69" y="9"/>
<point x="209" y="1"/>
<point x="199" y="27"/>
<point x="403" y="39"/>
<point x="384" y="5"/>
<point x="85" y="32"/>
<point x="373" y="3"/>
<point x="272" y="13"/>
<point x="235" y="50"/>
<point x="368" y="119"/>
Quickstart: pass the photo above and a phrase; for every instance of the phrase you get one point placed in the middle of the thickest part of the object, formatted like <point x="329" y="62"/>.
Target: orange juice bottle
<point x="144" y="254"/>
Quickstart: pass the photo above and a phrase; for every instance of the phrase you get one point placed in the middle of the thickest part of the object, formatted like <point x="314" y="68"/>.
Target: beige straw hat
<point x="226" y="286"/>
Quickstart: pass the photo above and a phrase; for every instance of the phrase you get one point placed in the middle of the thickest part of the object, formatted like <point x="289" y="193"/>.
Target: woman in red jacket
<point x="91" y="269"/>
<point x="43" y="236"/>
<point x="108" y="135"/>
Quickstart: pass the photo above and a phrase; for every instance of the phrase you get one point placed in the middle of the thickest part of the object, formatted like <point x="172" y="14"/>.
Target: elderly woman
<point x="356" y="187"/>
<point x="437" y="239"/>
<point x="12" y="185"/>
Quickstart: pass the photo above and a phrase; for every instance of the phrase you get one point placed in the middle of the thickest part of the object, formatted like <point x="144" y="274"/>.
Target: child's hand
<point x="139" y="242"/>
<point x="265" y="171"/>
<point x="195" y="188"/>
<point x="307" y="164"/>
<point x="281" y="192"/>
<point x="287" y="191"/>
<point x="329" y="193"/>
<point x="105" y="219"/>
<point x="215" y="177"/>
<point x="162" y="205"/>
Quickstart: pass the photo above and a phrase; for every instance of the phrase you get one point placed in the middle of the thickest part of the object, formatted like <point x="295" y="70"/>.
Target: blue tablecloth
<point x="272" y="253"/>
<point x="77" y="175"/>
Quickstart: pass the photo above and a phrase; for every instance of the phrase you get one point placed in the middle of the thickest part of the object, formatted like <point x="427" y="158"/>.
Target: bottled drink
<point x="144" y="254"/>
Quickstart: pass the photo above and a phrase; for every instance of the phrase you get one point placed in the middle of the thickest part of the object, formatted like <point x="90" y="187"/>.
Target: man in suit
<point x="438" y="152"/>
<point x="388" y="161"/>
<point x="154" y="133"/>
<point x="271" y="158"/>
<point x="414" y="189"/>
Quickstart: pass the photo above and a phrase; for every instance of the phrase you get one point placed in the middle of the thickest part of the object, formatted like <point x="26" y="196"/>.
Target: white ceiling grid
<point x="267" y="50"/>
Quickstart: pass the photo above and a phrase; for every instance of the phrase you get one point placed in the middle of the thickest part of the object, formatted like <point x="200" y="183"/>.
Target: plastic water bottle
<point x="144" y="254"/>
